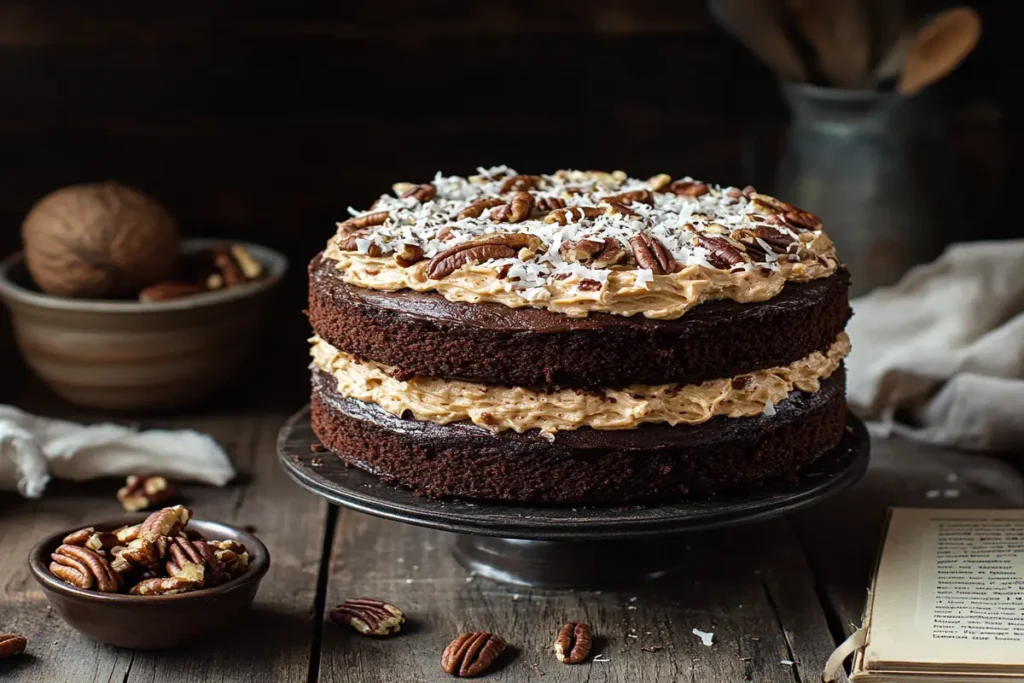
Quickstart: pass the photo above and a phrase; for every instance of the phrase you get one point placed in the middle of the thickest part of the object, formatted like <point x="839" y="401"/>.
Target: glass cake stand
<point x="566" y="547"/>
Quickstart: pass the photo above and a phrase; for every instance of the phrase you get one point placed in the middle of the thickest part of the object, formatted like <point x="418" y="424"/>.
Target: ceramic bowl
<point x="127" y="355"/>
<point x="153" y="622"/>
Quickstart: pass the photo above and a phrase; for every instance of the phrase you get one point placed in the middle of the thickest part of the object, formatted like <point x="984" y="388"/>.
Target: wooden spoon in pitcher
<point x="938" y="48"/>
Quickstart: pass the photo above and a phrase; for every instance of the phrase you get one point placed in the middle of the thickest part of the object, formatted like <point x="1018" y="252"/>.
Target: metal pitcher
<point x="876" y="168"/>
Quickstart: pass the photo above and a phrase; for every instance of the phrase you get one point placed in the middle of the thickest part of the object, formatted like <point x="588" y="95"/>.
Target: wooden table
<point x="777" y="595"/>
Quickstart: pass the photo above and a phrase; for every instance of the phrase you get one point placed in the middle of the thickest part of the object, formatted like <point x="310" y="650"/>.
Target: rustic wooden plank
<point x="750" y="586"/>
<point x="272" y="643"/>
<point x="841" y="536"/>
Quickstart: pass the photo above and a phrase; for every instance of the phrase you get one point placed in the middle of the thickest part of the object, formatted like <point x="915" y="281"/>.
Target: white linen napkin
<point x="947" y="345"/>
<point x="35" y="449"/>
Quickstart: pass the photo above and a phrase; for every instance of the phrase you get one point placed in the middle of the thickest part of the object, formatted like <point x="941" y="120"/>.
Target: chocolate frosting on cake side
<point x="424" y="334"/>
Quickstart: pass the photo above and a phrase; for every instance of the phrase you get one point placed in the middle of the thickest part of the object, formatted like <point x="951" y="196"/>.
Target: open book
<point x="946" y="602"/>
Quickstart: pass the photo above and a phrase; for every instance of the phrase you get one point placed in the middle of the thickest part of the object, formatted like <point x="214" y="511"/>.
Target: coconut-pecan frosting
<point x="580" y="241"/>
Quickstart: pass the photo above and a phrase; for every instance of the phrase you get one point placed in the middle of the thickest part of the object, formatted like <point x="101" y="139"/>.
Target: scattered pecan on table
<point x="572" y="644"/>
<point x="142" y="491"/>
<point x="369" y="616"/>
<point x="471" y="654"/>
<point x="11" y="644"/>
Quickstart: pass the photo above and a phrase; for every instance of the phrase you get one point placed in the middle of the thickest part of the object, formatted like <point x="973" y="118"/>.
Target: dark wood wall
<point x="264" y="121"/>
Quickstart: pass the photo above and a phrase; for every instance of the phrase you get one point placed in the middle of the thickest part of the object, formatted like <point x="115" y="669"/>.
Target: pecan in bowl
<point x="172" y="582"/>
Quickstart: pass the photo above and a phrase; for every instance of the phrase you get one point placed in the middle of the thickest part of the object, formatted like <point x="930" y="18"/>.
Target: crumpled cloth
<point x="35" y="449"/>
<point x="939" y="357"/>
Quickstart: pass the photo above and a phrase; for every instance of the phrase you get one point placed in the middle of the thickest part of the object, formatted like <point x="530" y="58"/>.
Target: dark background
<point x="264" y="121"/>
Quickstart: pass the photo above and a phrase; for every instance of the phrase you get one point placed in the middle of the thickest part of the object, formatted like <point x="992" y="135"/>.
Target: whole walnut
<point x="98" y="240"/>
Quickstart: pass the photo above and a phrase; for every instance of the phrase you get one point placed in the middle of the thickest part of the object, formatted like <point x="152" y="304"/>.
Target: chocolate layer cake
<point x="580" y="337"/>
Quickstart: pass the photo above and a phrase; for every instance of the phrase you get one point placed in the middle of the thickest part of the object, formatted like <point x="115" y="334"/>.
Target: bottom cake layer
<point x="653" y="463"/>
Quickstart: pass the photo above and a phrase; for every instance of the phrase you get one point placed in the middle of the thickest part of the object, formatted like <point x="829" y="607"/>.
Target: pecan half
<point x="83" y="568"/>
<point x="778" y="241"/>
<point x="789" y="214"/>
<point x="721" y="254"/>
<point x="688" y="188"/>
<point x="408" y="254"/>
<point x="195" y="561"/>
<point x="140" y="492"/>
<point x="126" y="534"/>
<point x="166" y="522"/>
<point x="79" y="537"/>
<point x="421" y="193"/>
<point x="11" y="644"/>
<point x="502" y="245"/>
<point x="141" y="554"/>
<point x="650" y="253"/>
<point x="367" y="220"/>
<point x="478" y="207"/>
<point x="517" y="210"/>
<point x="603" y="254"/>
<point x="573" y="214"/>
<point x="627" y="198"/>
<point x="659" y="182"/>
<point x="232" y="556"/>
<point x="588" y="285"/>
<point x="169" y="290"/>
<point x="620" y="209"/>
<point x="235" y="266"/>
<point x="572" y="644"/>
<point x="166" y="585"/>
<point x="471" y="654"/>
<point x="101" y="541"/>
<point x="368" y="616"/>
<point x="349" y="243"/>
<point x="580" y="251"/>
<point x="546" y="204"/>
<point x="520" y="183"/>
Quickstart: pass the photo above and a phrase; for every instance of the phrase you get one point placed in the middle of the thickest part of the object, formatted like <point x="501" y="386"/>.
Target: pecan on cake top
<point x="580" y="241"/>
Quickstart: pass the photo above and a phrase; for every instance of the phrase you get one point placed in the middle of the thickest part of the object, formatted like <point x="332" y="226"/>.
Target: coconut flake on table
<point x="707" y="638"/>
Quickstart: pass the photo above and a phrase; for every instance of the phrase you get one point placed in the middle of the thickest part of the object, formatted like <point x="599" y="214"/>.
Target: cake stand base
<point x="569" y="564"/>
<point x="561" y="547"/>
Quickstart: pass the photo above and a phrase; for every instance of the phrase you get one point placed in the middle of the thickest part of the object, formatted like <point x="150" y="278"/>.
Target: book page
<point x="949" y="593"/>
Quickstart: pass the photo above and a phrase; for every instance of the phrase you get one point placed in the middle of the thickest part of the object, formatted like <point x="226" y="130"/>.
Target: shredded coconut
<point x="706" y="638"/>
<point x="676" y="221"/>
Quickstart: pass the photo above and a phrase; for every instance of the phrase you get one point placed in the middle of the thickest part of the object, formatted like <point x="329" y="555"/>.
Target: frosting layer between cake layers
<point x="498" y="408"/>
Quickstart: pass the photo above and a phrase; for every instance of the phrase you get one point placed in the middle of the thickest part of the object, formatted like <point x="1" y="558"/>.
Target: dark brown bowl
<point x="153" y="622"/>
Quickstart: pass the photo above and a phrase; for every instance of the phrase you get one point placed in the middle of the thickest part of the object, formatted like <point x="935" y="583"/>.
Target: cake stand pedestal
<point x="562" y="547"/>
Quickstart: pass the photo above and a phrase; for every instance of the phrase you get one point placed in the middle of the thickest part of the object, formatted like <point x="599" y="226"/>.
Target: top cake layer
<point x="576" y="242"/>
